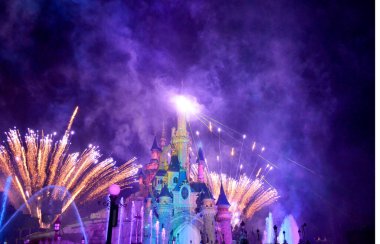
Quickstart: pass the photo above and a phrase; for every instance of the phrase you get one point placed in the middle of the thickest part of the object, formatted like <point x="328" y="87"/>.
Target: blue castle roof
<point x="207" y="194"/>
<point x="174" y="164"/>
<point x="182" y="179"/>
<point x="155" y="145"/>
<point x="222" y="200"/>
<point x="198" y="187"/>
<point x="165" y="192"/>
<point x="161" y="172"/>
<point x="200" y="155"/>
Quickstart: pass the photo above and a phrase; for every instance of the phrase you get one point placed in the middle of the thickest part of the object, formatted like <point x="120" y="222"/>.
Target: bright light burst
<point x="37" y="161"/>
<point x="245" y="195"/>
<point x="186" y="105"/>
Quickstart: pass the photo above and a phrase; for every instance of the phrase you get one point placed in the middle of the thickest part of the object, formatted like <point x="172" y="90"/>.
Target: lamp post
<point x="285" y="242"/>
<point x="114" y="191"/>
<point x="258" y="234"/>
<point x="275" y="234"/>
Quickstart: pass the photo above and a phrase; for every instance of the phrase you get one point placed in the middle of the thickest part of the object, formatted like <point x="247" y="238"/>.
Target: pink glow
<point x="114" y="190"/>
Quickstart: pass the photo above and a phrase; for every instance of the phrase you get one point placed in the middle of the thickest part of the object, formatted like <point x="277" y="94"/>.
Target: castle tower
<point x="201" y="162"/>
<point x="164" y="209"/>
<point x="208" y="212"/>
<point x="181" y="140"/>
<point x="224" y="217"/>
<point x="155" y="151"/>
<point x="153" y="165"/>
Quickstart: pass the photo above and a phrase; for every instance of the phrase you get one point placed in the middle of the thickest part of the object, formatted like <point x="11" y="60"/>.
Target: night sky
<point x="296" y="76"/>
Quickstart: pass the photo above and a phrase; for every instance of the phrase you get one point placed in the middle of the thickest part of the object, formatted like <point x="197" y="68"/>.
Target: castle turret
<point x="208" y="212"/>
<point x="165" y="209"/>
<point x="224" y="217"/>
<point x="155" y="151"/>
<point x="201" y="162"/>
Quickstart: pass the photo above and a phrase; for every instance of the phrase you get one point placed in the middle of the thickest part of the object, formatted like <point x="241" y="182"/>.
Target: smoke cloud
<point x="281" y="72"/>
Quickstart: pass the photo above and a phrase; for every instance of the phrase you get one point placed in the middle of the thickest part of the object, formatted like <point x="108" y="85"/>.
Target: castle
<point x="170" y="206"/>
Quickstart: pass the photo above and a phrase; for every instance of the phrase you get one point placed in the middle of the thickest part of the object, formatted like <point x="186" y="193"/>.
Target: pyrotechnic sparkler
<point x="246" y="196"/>
<point x="37" y="160"/>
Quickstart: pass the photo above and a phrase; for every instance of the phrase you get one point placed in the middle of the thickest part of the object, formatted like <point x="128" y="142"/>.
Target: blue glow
<point x="40" y="192"/>
<point x="289" y="225"/>
<point x="5" y="198"/>
<point x="269" y="232"/>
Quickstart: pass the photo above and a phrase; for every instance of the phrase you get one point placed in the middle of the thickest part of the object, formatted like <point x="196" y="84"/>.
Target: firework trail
<point x="246" y="195"/>
<point x="37" y="160"/>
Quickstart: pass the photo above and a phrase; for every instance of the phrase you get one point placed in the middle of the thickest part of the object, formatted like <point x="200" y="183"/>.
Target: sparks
<point x="258" y="172"/>
<point x="253" y="145"/>
<point x="245" y="195"/>
<point x="36" y="161"/>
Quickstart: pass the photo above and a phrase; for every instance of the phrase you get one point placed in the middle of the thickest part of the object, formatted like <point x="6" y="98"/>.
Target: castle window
<point x="175" y="180"/>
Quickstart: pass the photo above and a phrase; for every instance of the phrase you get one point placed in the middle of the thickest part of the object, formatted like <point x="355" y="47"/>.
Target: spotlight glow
<point x="186" y="105"/>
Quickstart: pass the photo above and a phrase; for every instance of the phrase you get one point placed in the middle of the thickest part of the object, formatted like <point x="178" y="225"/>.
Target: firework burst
<point x="246" y="195"/>
<point x="36" y="161"/>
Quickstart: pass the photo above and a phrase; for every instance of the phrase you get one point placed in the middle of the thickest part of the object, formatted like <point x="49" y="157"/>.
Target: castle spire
<point x="224" y="216"/>
<point x="222" y="200"/>
<point x="155" y="145"/>
<point x="163" y="136"/>
<point x="181" y="139"/>
<point x="155" y="151"/>
<point x="200" y="162"/>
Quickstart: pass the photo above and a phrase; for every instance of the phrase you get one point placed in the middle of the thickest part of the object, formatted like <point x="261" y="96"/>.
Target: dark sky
<point x="297" y="76"/>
